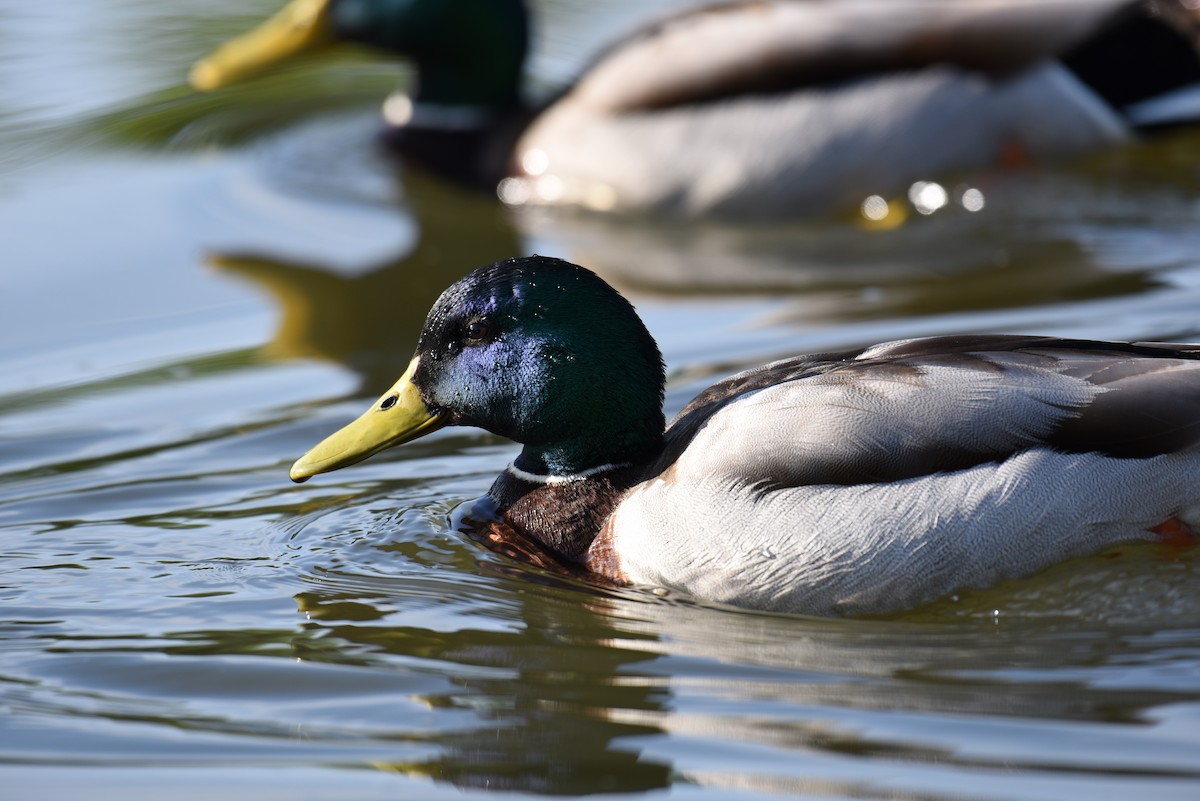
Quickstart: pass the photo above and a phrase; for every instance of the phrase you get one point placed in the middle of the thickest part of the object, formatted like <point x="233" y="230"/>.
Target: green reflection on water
<point x="180" y="117"/>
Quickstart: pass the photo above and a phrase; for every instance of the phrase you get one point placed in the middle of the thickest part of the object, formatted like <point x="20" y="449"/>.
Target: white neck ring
<point x="538" y="478"/>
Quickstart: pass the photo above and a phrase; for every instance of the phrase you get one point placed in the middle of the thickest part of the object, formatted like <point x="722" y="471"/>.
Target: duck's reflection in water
<point x="541" y="706"/>
<point x="568" y="690"/>
<point x="370" y="320"/>
<point x="826" y="273"/>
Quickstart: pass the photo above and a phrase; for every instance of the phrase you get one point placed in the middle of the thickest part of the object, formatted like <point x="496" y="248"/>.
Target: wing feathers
<point x="760" y="45"/>
<point x="1146" y="410"/>
<point x="912" y="408"/>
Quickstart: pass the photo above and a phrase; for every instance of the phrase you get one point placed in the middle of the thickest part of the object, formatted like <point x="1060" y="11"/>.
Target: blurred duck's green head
<point x="467" y="52"/>
<point x="537" y="350"/>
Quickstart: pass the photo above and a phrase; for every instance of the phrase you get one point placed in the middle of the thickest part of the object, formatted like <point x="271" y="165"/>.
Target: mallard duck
<point x="840" y="483"/>
<point x="762" y="107"/>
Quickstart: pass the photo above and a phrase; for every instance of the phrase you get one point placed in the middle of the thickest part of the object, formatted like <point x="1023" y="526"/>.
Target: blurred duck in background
<point x="759" y="108"/>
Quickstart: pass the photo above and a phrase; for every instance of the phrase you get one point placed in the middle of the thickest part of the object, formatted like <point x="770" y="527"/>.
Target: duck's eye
<point x="477" y="331"/>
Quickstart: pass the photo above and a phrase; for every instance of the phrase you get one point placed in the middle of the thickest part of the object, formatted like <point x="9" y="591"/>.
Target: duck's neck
<point x="465" y="110"/>
<point x="564" y="513"/>
<point x="467" y="52"/>
<point x="470" y="144"/>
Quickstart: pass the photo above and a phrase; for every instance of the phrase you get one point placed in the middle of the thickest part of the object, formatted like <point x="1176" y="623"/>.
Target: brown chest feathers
<point x="564" y="516"/>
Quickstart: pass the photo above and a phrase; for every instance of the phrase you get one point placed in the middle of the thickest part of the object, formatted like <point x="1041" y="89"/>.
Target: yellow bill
<point x="300" y="26"/>
<point x="399" y="416"/>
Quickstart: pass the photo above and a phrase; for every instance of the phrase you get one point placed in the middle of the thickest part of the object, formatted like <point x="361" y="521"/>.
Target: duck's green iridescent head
<point x="537" y="350"/>
<point x="467" y="52"/>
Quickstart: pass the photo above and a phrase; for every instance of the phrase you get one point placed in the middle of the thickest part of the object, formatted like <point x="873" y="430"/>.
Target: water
<point x="196" y="291"/>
